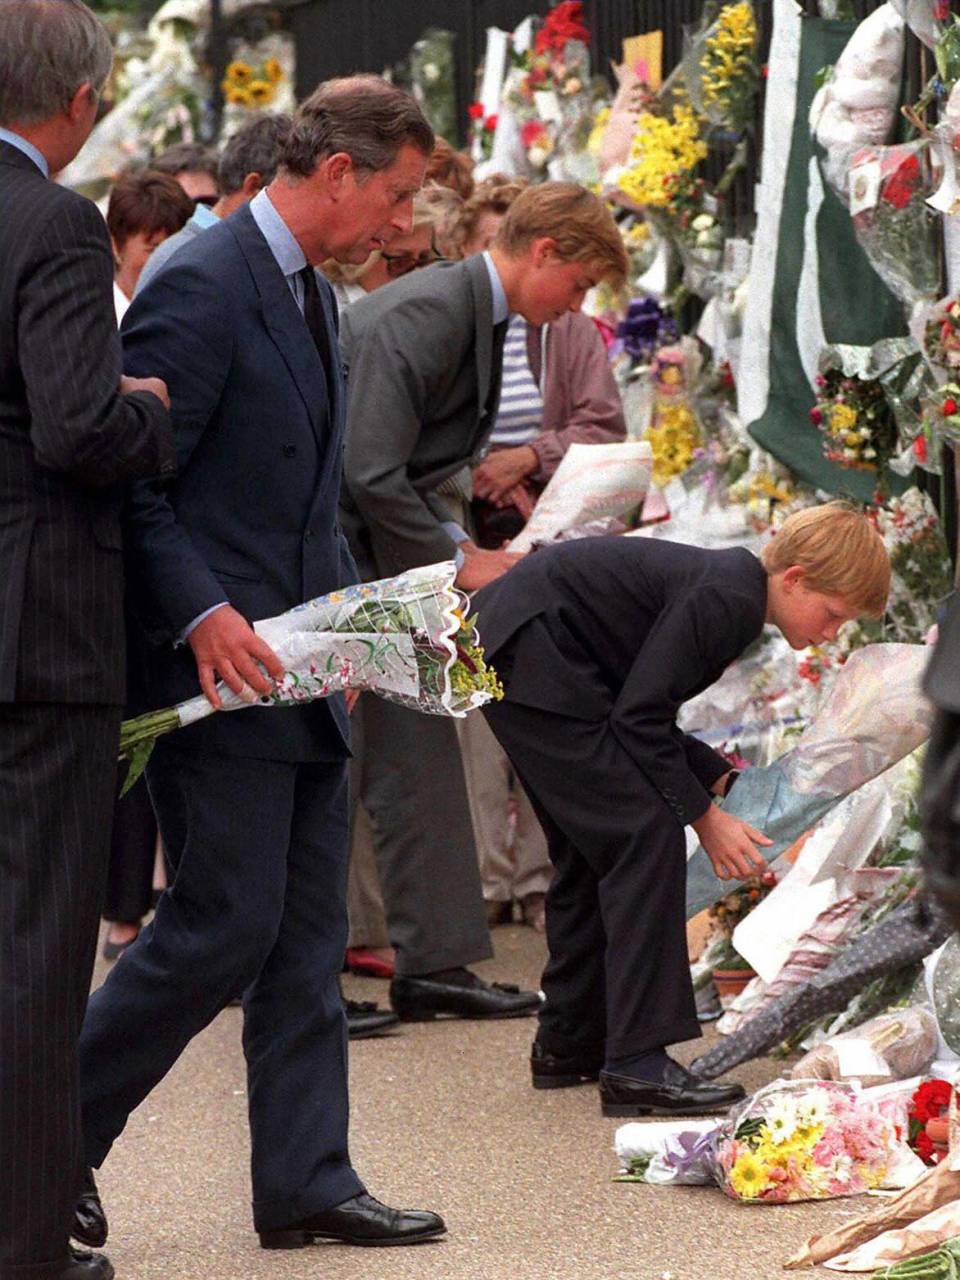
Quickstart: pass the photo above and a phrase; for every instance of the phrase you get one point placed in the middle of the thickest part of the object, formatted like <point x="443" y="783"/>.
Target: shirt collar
<point x="203" y="217"/>
<point x="283" y="245"/>
<point x="501" y="308"/>
<point x="28" y="149"/>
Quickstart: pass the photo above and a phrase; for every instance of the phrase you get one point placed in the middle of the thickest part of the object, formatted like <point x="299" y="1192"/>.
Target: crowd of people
<point x="340" y="359"/>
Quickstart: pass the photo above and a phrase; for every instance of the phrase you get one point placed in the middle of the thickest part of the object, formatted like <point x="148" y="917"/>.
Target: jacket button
<point x="308" y="535"/>
<point x="289" y="450"/>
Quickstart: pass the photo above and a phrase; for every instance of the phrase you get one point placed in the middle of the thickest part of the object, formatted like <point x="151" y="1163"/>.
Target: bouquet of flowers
<point x="922" y="576"/>
<point x="548" y="89"/>
<point x="481" y="130"/>
<point x="897" y="230"/>
<point x="663" y="155"/>
<point x="804" y="1141"/>
<point x="721" y="72"/>
<point x="941" y="338"/>
<point x="406" y="638"/>
<point x="931" y="1101"/>
<point x="855" y="420"/>
<point x="251" y="86"/>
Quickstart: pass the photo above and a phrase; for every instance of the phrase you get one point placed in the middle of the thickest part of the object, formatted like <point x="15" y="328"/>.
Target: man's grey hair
<point x="48" y="49"/>
<point x="363" y="116"/>
<point x="255" y="148"/>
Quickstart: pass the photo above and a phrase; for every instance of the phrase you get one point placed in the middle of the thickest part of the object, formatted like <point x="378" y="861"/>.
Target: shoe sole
<point x="636" y="1109"/>
<point x="89" y="1242"/>
<point x="372" y="1033"/>
<point x="466" y="1017"/>
<point x="564" y="1082"/>
<point x="303" y="1239"/>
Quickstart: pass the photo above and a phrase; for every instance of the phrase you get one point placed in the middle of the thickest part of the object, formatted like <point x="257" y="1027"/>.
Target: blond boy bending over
<point x="598" y="644"/>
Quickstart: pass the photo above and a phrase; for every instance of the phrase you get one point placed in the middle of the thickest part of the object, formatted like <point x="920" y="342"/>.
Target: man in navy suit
<point x="253" y="808"/>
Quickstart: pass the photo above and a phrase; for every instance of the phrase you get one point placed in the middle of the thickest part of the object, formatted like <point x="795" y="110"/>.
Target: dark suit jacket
<point x="424" y="384"/>
<point x="68" y="443"/>
<point x="252" y="516"/>
<point x="625" y="630"/>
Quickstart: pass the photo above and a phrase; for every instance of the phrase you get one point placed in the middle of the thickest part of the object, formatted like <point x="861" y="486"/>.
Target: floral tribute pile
<point x="855" y="419"/>
<point x="804" y="1141"/>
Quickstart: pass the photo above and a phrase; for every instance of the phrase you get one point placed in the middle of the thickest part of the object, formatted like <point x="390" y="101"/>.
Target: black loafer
<point x="361" y="1220"/>
<point x="549" y="1071"/>
<point x="366" y="1019"/>
<point x="89" y="1220"/>
<point x="678" y="1094"/>
<point x="422" y="999"/>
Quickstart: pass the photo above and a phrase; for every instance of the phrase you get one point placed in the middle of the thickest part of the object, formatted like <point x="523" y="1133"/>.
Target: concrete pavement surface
<point x="443" y="1118"/>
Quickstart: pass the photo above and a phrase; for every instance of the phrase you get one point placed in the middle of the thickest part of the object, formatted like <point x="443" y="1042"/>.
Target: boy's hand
<point x="731" y="844"/>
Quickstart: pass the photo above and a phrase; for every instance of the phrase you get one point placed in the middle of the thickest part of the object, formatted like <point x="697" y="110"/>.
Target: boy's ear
<point x="793" y="577"/>
<point x="543" y="249"/>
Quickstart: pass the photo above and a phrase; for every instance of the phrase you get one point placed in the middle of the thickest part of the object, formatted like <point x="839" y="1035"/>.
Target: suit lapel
<point x="283" y="321"/>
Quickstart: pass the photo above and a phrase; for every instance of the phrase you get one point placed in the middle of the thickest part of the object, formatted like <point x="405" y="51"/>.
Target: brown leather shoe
<point x="534" y="909"/>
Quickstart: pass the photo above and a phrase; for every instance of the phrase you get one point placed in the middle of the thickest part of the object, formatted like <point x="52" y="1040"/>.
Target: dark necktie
<point x="313" y="313"/>
<point x="496" y="367"/>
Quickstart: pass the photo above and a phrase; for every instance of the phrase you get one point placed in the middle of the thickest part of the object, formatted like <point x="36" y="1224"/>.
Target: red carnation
<point x="931" y="1100"/>
<point x="475" y="111"/>
<point x="530" y="132"/>
<point x="490" y="123"/>
<point x="949" y="407"/>
<point x="563" y="23"/>
<point x="816" y="416"/>
<point x="924" y="1147"/>
<point x="902" y="185"/>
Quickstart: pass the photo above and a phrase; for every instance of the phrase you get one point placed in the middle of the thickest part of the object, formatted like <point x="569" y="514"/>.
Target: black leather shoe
<point x="678" y="1094"/>
<point x="552" y="1072"/>
<point x="89" y="1220"/>
<point x="361" y="1220"/>
<point x="365" y="1019"/>
<point x="81" y="1265"/>
<point x="421" y="999"/>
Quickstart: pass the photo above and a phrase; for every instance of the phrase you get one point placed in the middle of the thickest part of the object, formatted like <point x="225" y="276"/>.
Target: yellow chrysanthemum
<point x="598" y="130"/>
<point x="240" y="72"/>
<point x="727" y="62"/>
<point x="661" y="149"/>
<point x="748" y="1177"/>
<point x="273" y="70"/>
<point x="261" y="92"/>
<point x="843" y="418"/>
<point x="237" y="95"/>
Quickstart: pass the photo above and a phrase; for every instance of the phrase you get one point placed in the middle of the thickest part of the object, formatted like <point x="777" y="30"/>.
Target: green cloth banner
<point x="855" y="305"/>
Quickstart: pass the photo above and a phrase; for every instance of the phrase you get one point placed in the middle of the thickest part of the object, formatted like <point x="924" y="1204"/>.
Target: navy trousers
<point x="257" y="905"/>
<point x="617" y="979"/>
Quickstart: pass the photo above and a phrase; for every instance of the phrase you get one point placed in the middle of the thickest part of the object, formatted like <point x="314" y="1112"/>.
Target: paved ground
<point x="443" y="1118"/>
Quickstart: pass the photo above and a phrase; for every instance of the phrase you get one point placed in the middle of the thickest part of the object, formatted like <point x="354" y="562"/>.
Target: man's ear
<point x="80" y="102"/>
<point x="252" y="183"/>
<point x="335" y="169"/>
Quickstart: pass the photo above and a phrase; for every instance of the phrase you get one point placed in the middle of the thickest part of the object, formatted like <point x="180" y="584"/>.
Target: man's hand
<point x="156" y="386"/>
<point x="480" y="567"/>
<point x="502" y="470"/>
<point x="731" y="844"/>
<point x="226" y="646"/>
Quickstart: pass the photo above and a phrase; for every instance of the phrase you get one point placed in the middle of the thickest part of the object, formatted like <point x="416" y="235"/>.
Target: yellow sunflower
<point x="237" y="95"/>
<point x="240" y="72"/>
<point x="273" y="70"/>
<point x="261" y="92"/>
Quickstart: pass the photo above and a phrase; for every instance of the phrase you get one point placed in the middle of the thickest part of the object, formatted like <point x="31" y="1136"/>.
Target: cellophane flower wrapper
<point x="667" y="1152"/>
<point x="875" y="714"/>
<point x="402" y="638"/>
<point x="803" y="1140"/>
<point x="898" y="232"/>
<point x="923" y="18"/>
<point x="720" y="68"/>
<point x="592" y="482"/>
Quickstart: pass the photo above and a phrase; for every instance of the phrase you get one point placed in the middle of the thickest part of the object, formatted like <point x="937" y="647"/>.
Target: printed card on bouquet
<point x="548" y="106"/>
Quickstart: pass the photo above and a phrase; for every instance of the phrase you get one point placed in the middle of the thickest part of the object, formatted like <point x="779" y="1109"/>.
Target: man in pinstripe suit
<point x="72" y="432"/>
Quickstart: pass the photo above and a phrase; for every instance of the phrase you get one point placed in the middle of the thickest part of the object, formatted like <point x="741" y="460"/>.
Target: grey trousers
<point x="407" y="773"/>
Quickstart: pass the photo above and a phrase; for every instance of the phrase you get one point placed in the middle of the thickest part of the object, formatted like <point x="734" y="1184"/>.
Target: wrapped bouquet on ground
<point x="406" y="638"/>
<point x="805" y="1140"/>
